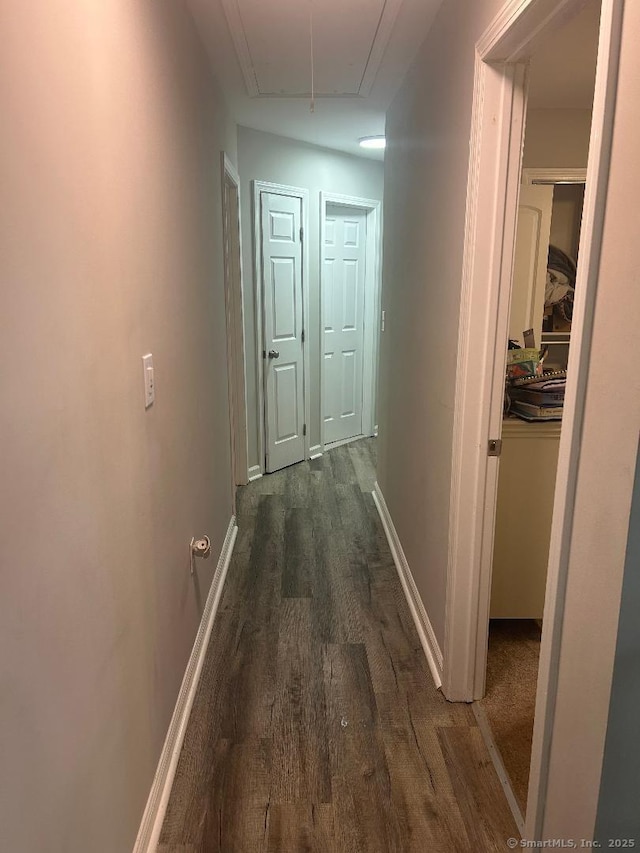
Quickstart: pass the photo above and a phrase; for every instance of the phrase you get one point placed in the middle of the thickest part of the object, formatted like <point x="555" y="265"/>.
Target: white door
<point x="344" y="278"/>
<point x="281" y="220"/>
<point x="530" y="265"/>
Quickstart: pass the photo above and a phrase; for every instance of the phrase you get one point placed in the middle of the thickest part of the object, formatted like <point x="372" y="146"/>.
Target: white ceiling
<point x="563" y="66"/>
<point x="273" y="43"/>
<point x="261" y="55"/>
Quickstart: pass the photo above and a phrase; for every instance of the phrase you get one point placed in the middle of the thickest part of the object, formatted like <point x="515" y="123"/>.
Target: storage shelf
<point x="556" y="337"/>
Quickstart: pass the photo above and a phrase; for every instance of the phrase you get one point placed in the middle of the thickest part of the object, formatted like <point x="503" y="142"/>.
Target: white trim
<point x="371" y="344"/>
<point x="153" y="817"/>
<point x="303" y="195"/>
<point x="496" y="144"/>
<point x="315" y="452"/>
<point x="234" y="317"/>
<point x="554" y="176"/>
<point x="254" y="473"/>
<point x="257" y="311"/>
<point x="239" y="37"/>
<point x="424" y="628"/>
<point x="385" y="27"/>
<point x="494" y="172"/>
<point x="513" y="32"/>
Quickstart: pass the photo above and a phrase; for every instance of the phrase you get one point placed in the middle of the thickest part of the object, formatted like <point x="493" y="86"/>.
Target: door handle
<point x="273" y="353"/>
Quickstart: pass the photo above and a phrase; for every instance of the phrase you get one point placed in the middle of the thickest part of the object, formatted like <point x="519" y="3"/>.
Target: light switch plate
<point x="149" y="383"/>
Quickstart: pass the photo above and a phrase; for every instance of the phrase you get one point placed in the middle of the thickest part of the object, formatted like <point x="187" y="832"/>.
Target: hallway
<point x="316" y="725"/>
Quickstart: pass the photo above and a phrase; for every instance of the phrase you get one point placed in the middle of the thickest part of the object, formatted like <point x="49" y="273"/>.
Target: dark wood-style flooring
<point x="316" y="725"/>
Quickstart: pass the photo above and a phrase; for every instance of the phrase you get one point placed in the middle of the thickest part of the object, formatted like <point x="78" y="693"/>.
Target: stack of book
<point x="522" y="363"/>
<point x="540" y="398"/>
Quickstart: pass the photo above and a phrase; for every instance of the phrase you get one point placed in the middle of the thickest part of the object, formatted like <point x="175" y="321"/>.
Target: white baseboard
<point x="153" y="817"/>
<point x="315" y="451"/>
<point x="424" y="628"/>
<point x="254" y="473"/>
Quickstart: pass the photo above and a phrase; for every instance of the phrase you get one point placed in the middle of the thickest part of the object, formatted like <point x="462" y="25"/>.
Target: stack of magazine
<point x="539" y="398"/>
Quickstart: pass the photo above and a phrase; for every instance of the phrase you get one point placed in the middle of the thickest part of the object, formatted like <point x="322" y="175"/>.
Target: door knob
<point x="273" y="353"/>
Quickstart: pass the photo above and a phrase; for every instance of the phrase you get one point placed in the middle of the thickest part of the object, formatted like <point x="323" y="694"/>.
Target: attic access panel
<point x="272" y="41"/>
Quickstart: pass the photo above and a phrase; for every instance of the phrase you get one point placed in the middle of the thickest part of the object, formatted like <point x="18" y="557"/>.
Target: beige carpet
<point x="512" y="672"/>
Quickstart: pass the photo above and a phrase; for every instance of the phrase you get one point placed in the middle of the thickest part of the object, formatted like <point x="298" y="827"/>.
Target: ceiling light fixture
<point x="372" y="142"/>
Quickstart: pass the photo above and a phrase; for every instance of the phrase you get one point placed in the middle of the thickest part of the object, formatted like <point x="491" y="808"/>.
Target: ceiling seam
<point x="373" y="44"/>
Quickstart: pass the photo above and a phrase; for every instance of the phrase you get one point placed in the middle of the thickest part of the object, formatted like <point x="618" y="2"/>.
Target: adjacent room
<point x="554" y="174"/>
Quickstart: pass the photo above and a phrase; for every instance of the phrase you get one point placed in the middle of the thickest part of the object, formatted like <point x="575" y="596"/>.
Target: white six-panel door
<point x="344" y="277"/>
<point x="281" y="220"/>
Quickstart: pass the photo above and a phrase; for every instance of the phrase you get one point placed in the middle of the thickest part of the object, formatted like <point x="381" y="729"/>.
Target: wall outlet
<point x="149" y="382"/>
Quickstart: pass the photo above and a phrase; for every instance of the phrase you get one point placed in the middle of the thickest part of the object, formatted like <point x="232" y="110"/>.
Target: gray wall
<point x="109" y="248"/>
<point x="618" y="812"/>
<point x="425" y="195"/>
<point x="265" y="157"/>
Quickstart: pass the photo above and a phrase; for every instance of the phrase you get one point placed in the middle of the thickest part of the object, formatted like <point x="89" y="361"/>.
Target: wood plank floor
<point x="316" y="725"/>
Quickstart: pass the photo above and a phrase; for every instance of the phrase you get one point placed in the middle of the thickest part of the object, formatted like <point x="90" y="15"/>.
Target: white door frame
<point x="373" y="210"/>
<point x="303" y="195"/>
<point x="497" y="132"/>
<point x="233" y="287"/>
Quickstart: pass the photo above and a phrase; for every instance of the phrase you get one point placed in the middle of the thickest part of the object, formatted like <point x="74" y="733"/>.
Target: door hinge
<point x="302" y="336"/>
<point x="304" y="429"/>
<point x="264" y="353"/>
<point x="495" y="447"/>
<point x="301" y="233"/>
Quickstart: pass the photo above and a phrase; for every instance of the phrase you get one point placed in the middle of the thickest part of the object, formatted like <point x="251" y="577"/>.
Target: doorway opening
<point x="495" y="176"/>
<point x="542" y="296"/>
<point x="350" y="307"/>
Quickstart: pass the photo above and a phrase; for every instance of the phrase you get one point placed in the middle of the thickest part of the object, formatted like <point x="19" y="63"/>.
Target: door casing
<point x="233" y="290"/>
<point x="303" y="194"/>
<point x="373" y="210"/>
